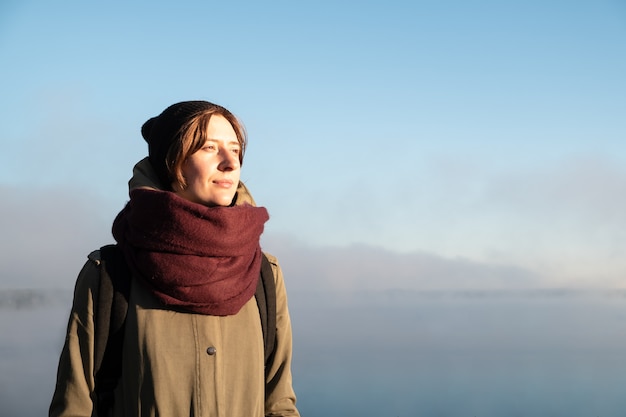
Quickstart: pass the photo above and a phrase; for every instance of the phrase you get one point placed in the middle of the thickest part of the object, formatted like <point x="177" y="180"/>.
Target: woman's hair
<point x="193" y="135"/>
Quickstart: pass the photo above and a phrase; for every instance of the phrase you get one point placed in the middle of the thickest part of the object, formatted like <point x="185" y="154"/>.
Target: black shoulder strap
<point x="266" y="300"/>
<point x="110" y="316"/>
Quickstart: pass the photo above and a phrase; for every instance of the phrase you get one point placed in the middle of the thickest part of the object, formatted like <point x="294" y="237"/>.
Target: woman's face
<point x="212" y="173"/>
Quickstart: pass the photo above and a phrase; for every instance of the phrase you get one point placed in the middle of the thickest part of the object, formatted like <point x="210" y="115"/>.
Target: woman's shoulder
<point x="273" y="260"/>
<point x="89" y="275"/>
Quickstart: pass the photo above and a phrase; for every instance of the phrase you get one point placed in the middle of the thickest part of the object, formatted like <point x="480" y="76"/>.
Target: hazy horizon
<point x="389" y="353"/>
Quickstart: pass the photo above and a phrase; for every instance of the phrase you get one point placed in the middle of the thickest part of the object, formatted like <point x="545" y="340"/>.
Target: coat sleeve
<point x="280" y="399"/>
<point x="73" y="395"/>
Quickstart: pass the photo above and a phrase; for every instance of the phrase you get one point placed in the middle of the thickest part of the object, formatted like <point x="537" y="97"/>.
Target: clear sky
<point x="426" y="142"/>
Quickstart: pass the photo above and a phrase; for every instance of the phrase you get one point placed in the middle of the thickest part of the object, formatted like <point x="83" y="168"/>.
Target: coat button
<point x="211" y="350"/>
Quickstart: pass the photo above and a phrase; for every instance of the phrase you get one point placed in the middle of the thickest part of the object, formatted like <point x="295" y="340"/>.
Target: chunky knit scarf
<point x="200" y="259"/>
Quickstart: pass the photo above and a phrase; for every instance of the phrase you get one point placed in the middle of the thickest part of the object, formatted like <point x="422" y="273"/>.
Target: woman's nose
<point x="229" y="160"/>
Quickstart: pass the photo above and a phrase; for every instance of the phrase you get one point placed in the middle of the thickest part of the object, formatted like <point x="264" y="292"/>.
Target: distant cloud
<point x="589" y="188"/>
<point x="561" y="216"/>
<point x="31" y="299"/>
<point x="571" y="216"/>
<point x="47" y="234"/>
<point x="364" y="268"/>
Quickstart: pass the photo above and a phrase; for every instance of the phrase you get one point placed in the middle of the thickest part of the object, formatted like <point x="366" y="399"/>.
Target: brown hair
<point x="193" y="135"/>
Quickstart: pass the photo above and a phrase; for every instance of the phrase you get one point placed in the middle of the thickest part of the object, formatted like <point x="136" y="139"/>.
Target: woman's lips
<point x="223" y="183"/>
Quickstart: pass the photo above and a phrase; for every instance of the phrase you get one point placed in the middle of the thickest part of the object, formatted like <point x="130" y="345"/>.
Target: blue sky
<point x="450" y="139"/>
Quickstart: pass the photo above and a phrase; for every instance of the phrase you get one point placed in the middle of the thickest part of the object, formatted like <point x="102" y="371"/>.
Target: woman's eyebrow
<point x="232" y="142"/>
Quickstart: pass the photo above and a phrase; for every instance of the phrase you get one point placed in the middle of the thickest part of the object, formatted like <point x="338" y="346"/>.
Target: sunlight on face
<point x="212" y="173"/>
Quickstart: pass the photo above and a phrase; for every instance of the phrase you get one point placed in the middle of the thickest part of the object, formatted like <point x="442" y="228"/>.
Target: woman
<point x="193" y="342"/>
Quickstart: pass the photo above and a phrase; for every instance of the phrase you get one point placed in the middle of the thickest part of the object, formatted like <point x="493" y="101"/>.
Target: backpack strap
<point x="266" y="301"/>
<point x="110" y="317"/>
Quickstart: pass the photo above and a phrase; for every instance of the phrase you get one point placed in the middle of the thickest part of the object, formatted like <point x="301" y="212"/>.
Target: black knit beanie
<point x="163" y="130"/>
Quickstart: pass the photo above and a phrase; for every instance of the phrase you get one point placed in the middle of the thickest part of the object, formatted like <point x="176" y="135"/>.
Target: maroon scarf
<point x="200" y="259"/>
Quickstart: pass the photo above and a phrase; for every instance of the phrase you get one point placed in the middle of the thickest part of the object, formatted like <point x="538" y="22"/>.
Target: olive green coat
<point x="179" y="364"/>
